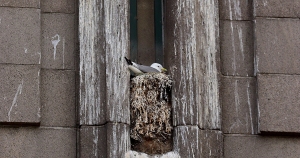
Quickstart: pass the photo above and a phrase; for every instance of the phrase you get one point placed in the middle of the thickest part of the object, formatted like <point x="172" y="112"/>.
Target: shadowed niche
<point x="150" y="113"/>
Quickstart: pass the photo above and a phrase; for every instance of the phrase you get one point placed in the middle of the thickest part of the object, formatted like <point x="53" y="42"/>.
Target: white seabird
<point x="140" y="69"/>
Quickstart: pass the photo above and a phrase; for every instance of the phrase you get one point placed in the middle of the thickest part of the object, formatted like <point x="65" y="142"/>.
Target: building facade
<point x="65" y="86"/>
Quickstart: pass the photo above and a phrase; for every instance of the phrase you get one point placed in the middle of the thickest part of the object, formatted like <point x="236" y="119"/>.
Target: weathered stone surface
<point x="58" y="98"/>
<point x="191" y="53"/>
<point x="18" y="3"/>
<point x="236" y="9"/>
<point x="93" y="141"/>
<point x="58" y="41"/>
<point x="102" y="61"/>
<point x="184" y="62"/>
<point x="118" y="139"/>
<point x="20" y="35"/>
<point x="92" y="99"/>
<point x="260" y="146"/>
<point x="20" y="94"/>
<point x="237" y="53"/>
<point x="278" y="103"/>
<point x="239" y="108"/>
<point x="117" y="46"/>
<point x="187" y="141"/>
<point x="211" y="144"/>
<point x="277" y="8"/>
<point x="277" y="45"/>
<point x="58" y="6"/>
<point x="190" y="141"/>
<point x="37" y="142"/>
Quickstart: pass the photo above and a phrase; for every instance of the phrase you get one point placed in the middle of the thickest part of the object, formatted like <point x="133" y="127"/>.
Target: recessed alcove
<point x="150" y="94"/>
<point x="190" y="51"/>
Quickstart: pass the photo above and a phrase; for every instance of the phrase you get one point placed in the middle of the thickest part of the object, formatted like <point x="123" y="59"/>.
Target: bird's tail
<point x="129" y="62"/>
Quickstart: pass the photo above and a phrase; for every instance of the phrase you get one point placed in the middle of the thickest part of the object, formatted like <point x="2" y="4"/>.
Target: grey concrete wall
<point x="259" y="91"/>
<point x="37" y="67"/>
<point x="277" y="48"/>
<point x="238" y="88"/>
<point x="257" y="41"/>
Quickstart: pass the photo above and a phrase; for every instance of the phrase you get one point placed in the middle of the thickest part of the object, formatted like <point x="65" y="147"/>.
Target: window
<point x="146" y="31"/>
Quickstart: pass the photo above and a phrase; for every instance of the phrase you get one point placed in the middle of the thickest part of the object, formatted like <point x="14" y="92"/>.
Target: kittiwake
<point x="140" y="69"/>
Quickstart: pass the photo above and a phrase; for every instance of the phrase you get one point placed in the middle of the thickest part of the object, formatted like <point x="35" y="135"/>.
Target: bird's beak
<point x="163" y="70"/>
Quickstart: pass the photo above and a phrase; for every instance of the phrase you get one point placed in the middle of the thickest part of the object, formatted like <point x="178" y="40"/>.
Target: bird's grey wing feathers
<point x="146" y="69"/>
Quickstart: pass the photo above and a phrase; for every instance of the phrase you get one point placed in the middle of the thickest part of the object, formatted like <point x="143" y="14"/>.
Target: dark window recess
<point x="158" y="25"/>
<point x="146" y="31"/>
<point x="150" y="106"/>
<point x="133" y="30"/>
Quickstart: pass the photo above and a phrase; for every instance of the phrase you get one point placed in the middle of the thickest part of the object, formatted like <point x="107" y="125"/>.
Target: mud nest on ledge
<point x="150" y="113"/>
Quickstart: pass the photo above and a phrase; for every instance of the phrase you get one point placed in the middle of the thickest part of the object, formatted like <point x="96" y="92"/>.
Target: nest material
<point x="150" y="114"/>
<point x="151" y="108"/>
<point x="150" y="111"/>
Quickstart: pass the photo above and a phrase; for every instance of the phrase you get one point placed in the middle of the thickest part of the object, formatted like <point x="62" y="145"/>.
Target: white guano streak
<point x="117" y="46"/>
<point x="14" y="102"/>
<point x="232" y="40"/>
<point x="88" y="33"/>
<point x="40" y="57"/>
<point x="240" y="33"/>
<point x="187" y="54"/>
<point x="250" y="109"/>
<point x="183" y="137"/>
<point x="95" y="141"/>
<point x="125" y="144"/>
<point x="119" y="142"/>
<point x="63" y="53"/>
<point x="55" y="40"/>
<point x="236" y="98"/>
<point x="265" y="2"/>
<point x="237" y="9"/>
<point x="211" y="25"/>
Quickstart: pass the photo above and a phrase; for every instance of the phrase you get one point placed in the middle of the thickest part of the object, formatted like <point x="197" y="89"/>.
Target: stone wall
<point x="59" y="101"/>
<point x="192" y="54"/>
<point x="260" y="84"/>
<point x="37" y="67"/>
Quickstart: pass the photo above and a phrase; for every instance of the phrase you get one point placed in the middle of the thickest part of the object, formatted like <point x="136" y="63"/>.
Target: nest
<point x="150" y="113"/>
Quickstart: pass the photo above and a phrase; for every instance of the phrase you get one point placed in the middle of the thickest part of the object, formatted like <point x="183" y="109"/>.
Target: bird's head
<point x="158" y="67"/>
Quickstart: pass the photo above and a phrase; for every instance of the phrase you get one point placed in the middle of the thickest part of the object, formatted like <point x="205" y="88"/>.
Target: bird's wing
<point x="146" y="69"/>
<point x="134" y="69"/>
<point x="129" y="62"/>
